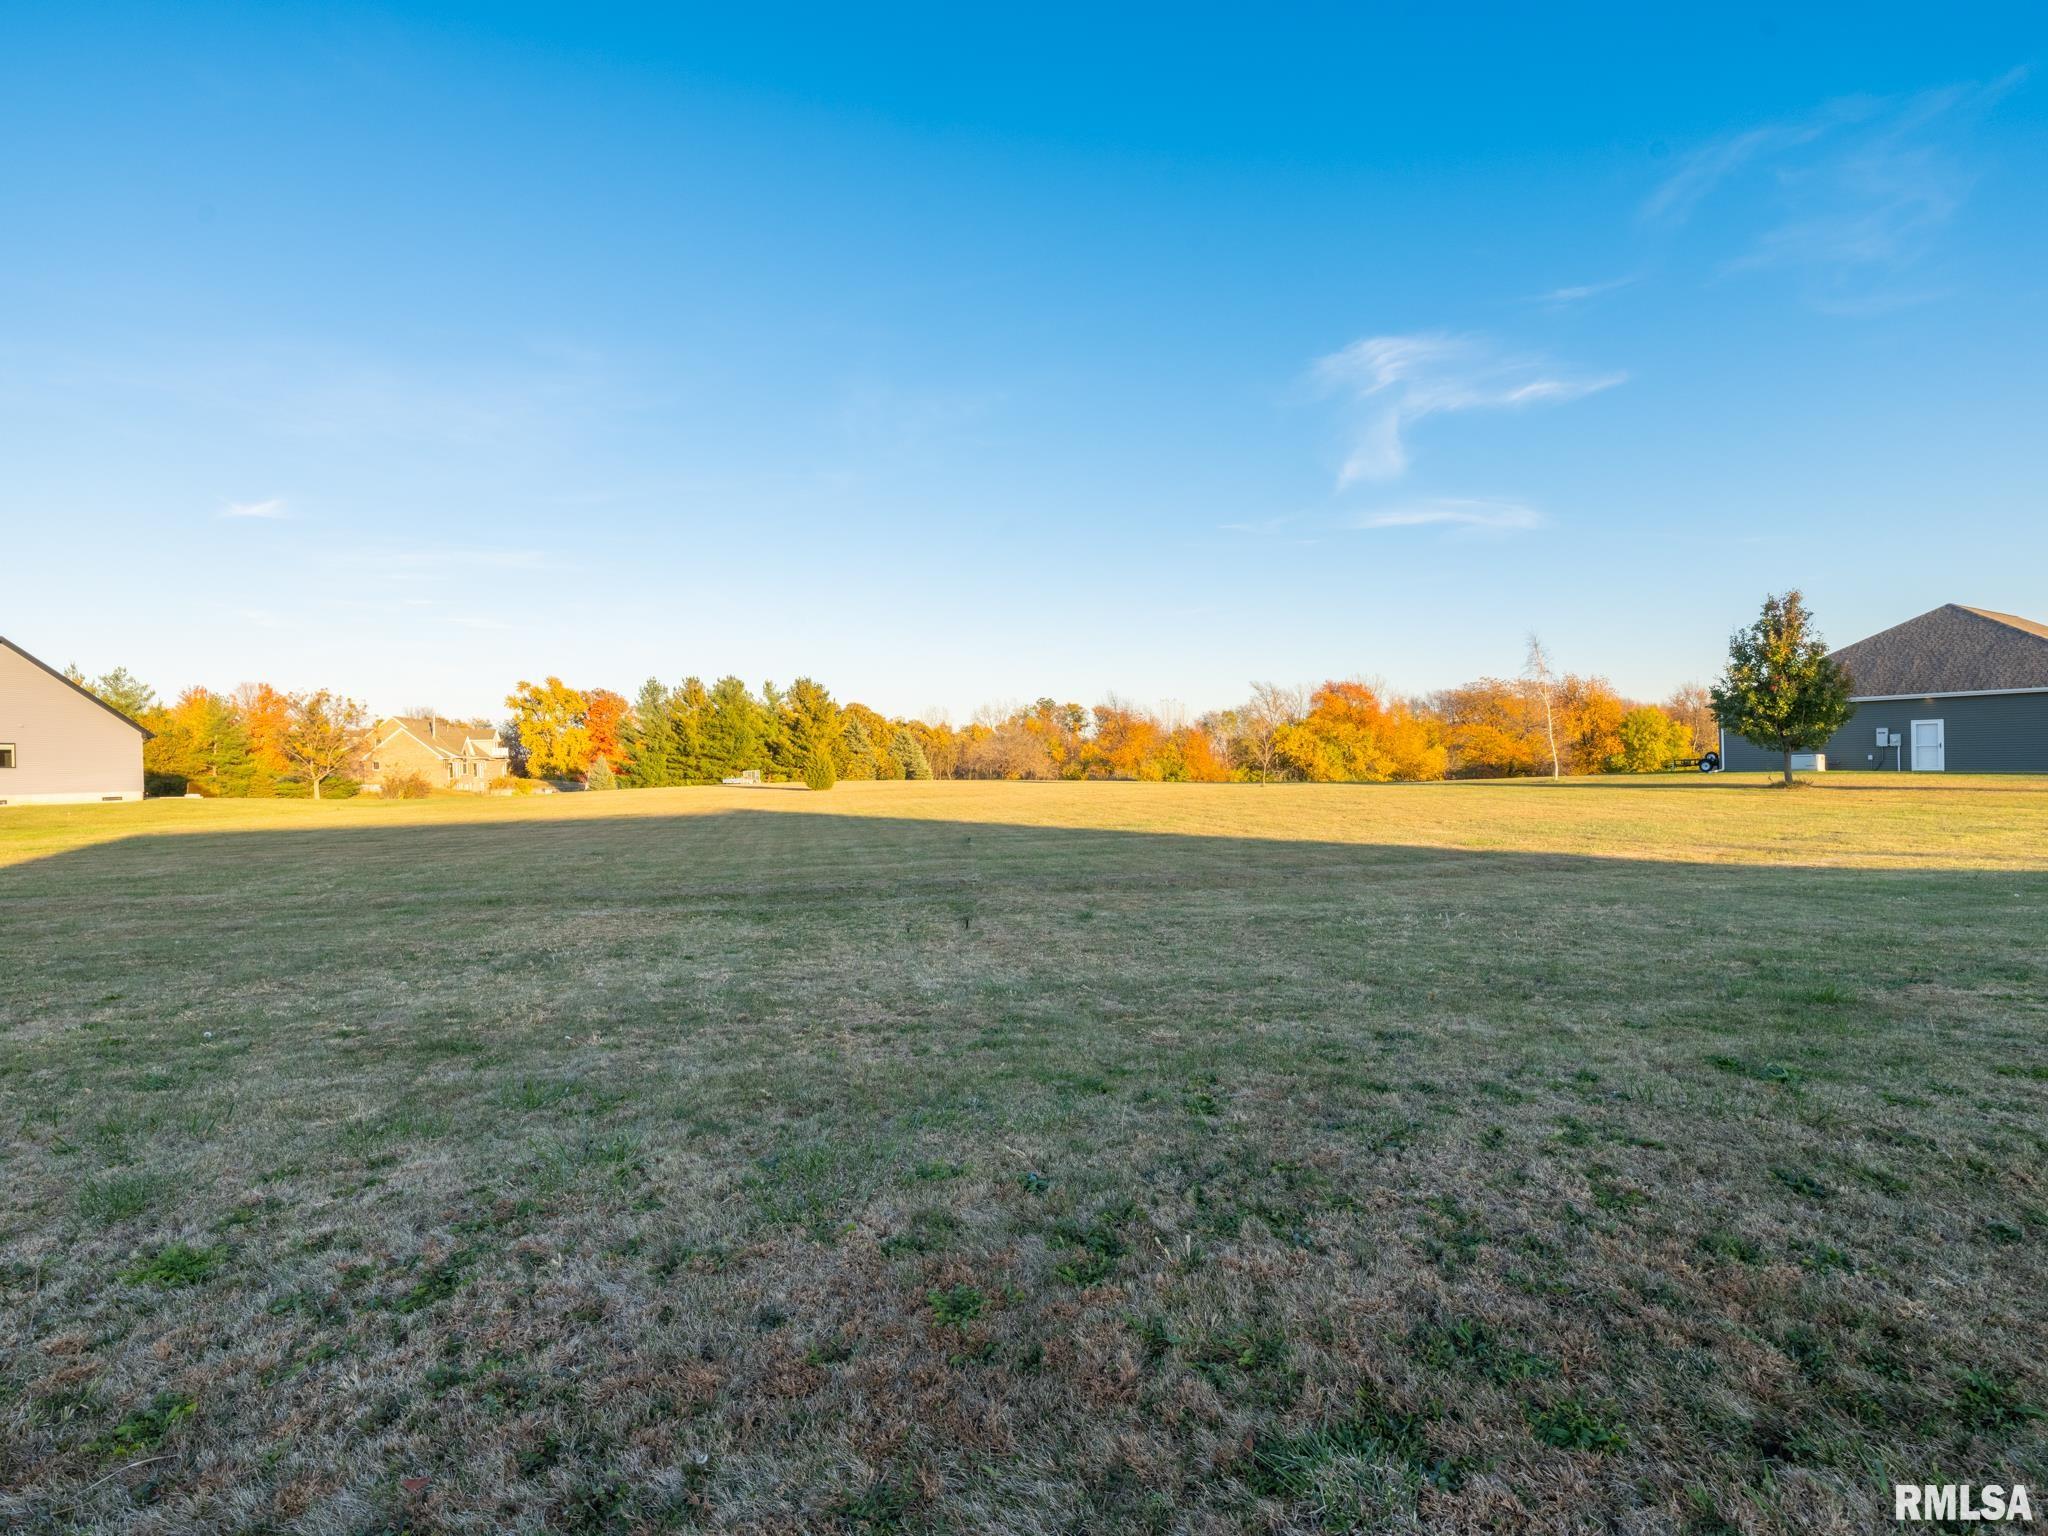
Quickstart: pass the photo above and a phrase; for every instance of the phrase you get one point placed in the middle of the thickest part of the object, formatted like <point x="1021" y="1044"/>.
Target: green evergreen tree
<point x="650" y="740"/>
<point x="1782" y="689"/>
<point x="858" y="751"/>
<point x="120" y="688"/>
<point x="908" y="753"/>
<point x="818" y="773"/>
<point x="806" y="719"/>
<point x="220" y="746"/>
<point x="599" y="775"/>
<point x="735" y="731"/>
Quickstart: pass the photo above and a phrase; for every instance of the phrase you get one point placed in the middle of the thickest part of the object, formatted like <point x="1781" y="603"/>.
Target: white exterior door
<point x="1930" y="746"/>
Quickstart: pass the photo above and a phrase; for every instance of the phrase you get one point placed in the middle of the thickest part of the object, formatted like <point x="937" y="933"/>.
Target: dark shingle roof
<point x="1952" y="649"/>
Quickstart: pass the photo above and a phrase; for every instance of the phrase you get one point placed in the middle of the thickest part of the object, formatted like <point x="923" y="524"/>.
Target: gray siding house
<point x="1957" y="690"/>
<point x="58" y="743"/>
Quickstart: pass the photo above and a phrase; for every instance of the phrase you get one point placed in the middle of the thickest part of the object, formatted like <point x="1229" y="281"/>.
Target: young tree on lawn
<point x="1782" y="689"/>
<point x="600" y="775"/>
<point x="1536" y="668"/>
<point x="325" y="731"/>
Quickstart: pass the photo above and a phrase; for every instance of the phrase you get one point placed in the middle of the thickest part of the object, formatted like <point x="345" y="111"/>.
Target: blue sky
<point x="954" y="359"/>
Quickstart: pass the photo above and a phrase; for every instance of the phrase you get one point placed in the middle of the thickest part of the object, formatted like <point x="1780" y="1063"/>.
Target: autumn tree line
<point x="1782" y="688"/>
<point x="259" y="741"/>
<point x="1342" y="731"/>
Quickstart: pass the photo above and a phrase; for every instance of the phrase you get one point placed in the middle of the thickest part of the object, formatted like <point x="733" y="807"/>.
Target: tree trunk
<point x="1788" y="765"/>
<point x="316" y="784"/>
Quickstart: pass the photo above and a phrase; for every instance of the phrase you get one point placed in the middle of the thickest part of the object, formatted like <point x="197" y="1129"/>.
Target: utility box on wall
<point x="1809" y="762"/>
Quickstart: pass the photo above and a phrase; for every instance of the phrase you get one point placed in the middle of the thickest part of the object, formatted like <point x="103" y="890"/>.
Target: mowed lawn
<point x="1601" y="1156"/>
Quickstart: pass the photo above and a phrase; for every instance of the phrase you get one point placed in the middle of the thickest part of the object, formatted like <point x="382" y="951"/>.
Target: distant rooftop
<point x="1950" y="649"/>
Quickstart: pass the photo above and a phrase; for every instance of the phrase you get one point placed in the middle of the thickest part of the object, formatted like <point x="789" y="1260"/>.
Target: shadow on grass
<point x="729" y="852"/>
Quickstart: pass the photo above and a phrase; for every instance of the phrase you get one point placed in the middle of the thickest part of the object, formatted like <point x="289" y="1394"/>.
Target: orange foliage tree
<point x="1349" y="735"/>
<point x="605" y="716"/>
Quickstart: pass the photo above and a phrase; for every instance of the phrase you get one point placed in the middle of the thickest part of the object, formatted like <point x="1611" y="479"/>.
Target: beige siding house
<point x="448" y="754"/>
<point x="60" y="745"/>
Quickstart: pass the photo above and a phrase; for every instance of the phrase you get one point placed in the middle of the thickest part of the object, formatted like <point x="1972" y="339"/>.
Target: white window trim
<point x="13" y="755"/>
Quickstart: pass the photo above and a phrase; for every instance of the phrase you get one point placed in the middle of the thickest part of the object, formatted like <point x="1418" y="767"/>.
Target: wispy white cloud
<point x="1579" y="293"/>
<point x="272" y="508"/>
<point x="1454" y="512"/>
<point x="1393" y="382"/>
<point x="1851" y="194"/>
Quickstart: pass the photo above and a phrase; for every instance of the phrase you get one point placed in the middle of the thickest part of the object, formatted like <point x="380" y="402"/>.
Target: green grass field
<point x="1599" y="1156"/>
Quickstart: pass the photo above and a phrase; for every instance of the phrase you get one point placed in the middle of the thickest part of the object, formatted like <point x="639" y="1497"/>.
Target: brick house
<point x="448" y="754"/>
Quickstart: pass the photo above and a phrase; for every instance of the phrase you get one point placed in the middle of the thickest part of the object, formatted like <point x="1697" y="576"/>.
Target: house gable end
<point x="84" y="693"/>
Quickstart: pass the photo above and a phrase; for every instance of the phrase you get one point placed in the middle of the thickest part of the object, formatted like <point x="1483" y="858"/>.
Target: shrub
<point x="407" y="786"/>
<point x="818" y="772"/>
<point x="158" y="785"/>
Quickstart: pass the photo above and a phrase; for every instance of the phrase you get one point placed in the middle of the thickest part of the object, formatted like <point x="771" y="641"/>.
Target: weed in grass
<point x="1156" y="1335"/>
<point x="883" y="1505"/>
<point x="1982" y="1401"/>
<point x="437" y="1282"/>
<point x="956" y="1306"/>
<point x="829" y="1351"/>
<point x="927" y="1231"/>
<point x="179" y="1264"/>
<point x="1801" y="1183"/>
<point x="146" y="1428"/>
<point x="1472" y="1344"/>
<point x="1761" y="1071"/>
<point x="1725" y="1244"/>
<point x="1101" y="1243"/>
<point x="1574" y="1424"/>
<point x="1290" y="1465"/>
<point x="1822" y="1257"/>
<point x="118" y="1197"/>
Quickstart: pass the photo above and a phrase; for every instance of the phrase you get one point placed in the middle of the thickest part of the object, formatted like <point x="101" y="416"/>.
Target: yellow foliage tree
<point x="554" y="737"/>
